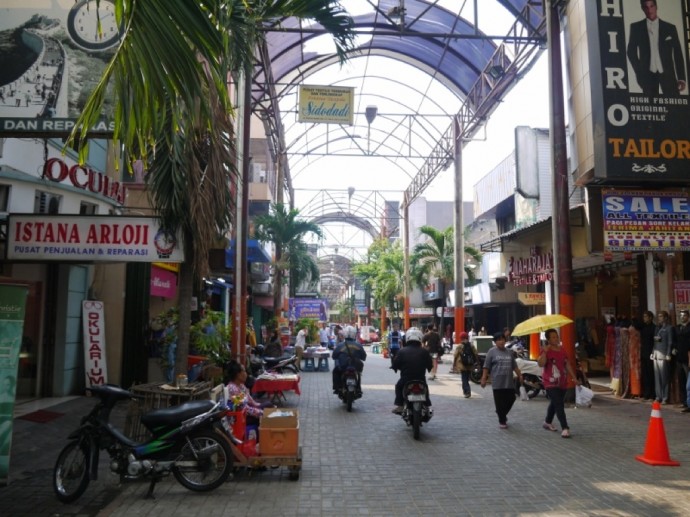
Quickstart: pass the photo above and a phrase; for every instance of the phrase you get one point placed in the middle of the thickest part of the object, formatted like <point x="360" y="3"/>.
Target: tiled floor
<point x="23" y="407"/>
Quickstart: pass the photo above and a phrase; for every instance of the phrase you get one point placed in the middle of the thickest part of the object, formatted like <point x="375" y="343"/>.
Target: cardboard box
<point x="279" y="434"/>
<point x="280" y="418"/>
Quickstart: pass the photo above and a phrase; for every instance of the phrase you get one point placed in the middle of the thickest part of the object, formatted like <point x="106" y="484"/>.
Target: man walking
<point x="501" y="364"/>
<point x="682" y="349"/>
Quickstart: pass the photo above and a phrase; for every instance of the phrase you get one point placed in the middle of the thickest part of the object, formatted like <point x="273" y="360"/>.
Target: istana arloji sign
<point x="90" y="238"/>
<point x="327" y="104"/>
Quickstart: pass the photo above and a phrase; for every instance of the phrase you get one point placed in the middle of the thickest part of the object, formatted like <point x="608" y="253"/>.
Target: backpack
<point x="467" y="356"/>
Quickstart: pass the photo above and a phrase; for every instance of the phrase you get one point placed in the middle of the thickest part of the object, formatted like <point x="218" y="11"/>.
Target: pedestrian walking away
<point x="554" y="361"/>
<point x="501" y="364"/>
<point x="432" y="342"/>
<point x="464" y="359"/>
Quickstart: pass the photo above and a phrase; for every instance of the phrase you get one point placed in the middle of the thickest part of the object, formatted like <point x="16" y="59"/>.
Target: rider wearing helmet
<point x="413" y="361"/>
<point x="347" y="353"/>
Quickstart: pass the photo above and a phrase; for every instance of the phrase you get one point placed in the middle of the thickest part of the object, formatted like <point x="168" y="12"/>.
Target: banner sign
<point x="12" y="308"/>
<point x="52" y="56"/>
<point x="94" y="343"/>
<point x="646" y="220"/>
<point x="421" y="311"/>
<point x="640" y="106"/>
<point x="681" y="291"/>
<point x="90" y="239"/>
<point x="315" y="308"/>
<point x="328" y="104"/>
<point x="164" y="283"/>
<point x="532" y="298"/>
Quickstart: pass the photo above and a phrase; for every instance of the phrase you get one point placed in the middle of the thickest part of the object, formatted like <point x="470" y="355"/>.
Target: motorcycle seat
<point x="176" y="414"/>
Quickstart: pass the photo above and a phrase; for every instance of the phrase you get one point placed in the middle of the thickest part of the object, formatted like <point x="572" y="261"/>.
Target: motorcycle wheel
<point x="71" y="472"/>
<point x="416" y="423"/>
<point x="205" y="464"/>
<point x="290" y="368"/>
<point x="476" y="374"/>
<point x="349" y="399"/>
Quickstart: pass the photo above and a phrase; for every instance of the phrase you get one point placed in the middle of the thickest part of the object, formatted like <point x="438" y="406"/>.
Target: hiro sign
<point x="640" y="107"/>
<point x="90" y="238"/>
<point x="646" y="220"/>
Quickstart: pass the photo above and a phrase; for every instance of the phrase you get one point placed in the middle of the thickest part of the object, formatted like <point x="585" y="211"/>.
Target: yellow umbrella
<point x="540" y="323"/>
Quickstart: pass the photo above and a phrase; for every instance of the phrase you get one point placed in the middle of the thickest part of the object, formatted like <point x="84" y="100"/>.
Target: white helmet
<point x="414" y="334"/>
<point x="350" y="332"/>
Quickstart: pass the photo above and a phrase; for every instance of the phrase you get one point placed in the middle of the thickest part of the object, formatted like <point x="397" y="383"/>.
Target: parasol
<point x="540" y="323"/>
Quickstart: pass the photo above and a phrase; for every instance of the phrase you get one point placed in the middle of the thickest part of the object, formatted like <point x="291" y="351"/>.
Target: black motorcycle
<point x="184" y="441"/>
<point x="350" y="388"/>
<point x="416" y="409"/>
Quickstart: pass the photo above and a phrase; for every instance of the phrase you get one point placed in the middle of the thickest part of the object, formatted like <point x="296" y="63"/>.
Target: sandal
<point x="549" y="427"/>
<point x="565" y="433"/>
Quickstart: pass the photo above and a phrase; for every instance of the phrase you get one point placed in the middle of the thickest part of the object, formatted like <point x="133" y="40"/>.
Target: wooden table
<point x="276" y="386"/>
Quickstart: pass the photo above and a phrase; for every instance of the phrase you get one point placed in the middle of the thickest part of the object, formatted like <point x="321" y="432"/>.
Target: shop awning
<point x="255" y="253"/>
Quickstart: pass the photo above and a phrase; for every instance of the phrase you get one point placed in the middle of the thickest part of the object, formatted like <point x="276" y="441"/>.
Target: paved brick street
<point x="367" y="463"/>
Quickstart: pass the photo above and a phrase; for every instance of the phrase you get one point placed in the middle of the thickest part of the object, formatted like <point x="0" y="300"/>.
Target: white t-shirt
<point x="301" y="340"/>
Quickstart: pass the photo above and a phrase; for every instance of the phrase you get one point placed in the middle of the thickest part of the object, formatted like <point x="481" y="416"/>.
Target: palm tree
<point x="282" y="227"/>
<point x="303" y="268"/>
<point x="172" y="109"/>
<point x="436" y="258"/>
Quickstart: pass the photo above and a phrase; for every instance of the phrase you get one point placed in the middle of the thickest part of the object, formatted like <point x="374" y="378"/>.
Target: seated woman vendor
<point x="238" y="392"/>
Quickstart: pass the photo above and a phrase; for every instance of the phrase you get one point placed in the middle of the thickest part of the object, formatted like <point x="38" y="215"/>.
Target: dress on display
<point x="634" y="345"/>
<point x="624" y="386"/>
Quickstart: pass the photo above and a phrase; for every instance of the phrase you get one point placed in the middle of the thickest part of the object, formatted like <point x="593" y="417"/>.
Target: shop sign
<point x="646" y="220"/>
<point x="681" y="291"/>
<point x="533" y="270"/>
<point x="84" y="178"/>
<point x="532" y="298"/>
<point x="433" y="291"/>
<point x="94" y="343"/>
<point x="314" y="308"/>
<point x="421" y="311"/>
<point x="90" y="239"/>
<point x="163" y="283"/>
<point x="644" y="125"/>
<point x="326" y="104"/>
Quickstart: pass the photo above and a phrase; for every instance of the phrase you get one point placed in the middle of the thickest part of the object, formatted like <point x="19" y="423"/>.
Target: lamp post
<point x="370" y="114"/>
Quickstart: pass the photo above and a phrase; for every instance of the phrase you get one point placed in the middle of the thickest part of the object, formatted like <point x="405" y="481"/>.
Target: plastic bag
<point x="583" y="396"/>
<point x="523" y="393"/>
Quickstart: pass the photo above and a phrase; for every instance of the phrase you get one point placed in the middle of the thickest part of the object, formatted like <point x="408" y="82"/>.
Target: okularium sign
<point x="88" y="239"/>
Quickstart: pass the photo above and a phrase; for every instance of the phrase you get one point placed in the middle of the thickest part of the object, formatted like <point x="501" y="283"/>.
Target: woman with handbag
<point x="554" y="361"/>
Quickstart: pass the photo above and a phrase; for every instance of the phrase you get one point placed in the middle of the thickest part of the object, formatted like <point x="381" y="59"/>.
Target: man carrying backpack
<point x="394" y="341"/>
<point x="463" y="362"/>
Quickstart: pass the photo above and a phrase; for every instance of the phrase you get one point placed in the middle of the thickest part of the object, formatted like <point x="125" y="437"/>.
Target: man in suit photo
<point x="655" y="54"/>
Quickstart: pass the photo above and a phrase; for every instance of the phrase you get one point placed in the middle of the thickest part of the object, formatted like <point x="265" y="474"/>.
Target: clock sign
<point x="83" y="24"/>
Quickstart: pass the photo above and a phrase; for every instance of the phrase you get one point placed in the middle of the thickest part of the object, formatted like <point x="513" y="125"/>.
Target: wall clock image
<point x="82" y="24"/>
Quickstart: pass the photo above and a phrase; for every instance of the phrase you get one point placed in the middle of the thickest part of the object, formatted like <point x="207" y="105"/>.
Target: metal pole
<point x="242" y="228"/>
<point x="406" y="262"/>
<point x="563" y="260"/>
<point x="459" y="265"/>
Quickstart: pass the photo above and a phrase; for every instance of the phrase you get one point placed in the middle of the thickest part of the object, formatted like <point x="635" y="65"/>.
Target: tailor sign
<point x="327" y="104"/>
<point x="641" y="120"/>
<point x="38" y="237"/>
<point x="646" y="220"/>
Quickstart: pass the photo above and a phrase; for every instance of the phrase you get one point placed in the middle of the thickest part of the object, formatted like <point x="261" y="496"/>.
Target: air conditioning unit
<point x="263" y="288"/>
<point x="258" y="173"/>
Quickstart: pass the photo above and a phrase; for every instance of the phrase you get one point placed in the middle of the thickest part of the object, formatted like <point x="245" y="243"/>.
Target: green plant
<point x="210" y="337"/>
<point x="312" y="329"/>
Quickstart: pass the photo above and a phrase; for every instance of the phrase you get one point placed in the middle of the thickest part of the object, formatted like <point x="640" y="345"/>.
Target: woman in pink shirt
<point x="554" y="361"/>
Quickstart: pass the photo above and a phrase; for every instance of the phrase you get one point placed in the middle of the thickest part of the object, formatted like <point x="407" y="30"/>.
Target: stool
<point x="375" y="348"/>
<point x="309" y="364"/>
<point x="323" y="364"/>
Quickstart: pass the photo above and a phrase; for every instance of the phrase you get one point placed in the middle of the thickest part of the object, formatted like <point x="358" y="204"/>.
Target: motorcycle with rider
<point x="348" y="358"/>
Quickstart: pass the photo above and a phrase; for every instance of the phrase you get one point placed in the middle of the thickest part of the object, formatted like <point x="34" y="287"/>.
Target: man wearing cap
<point x="463" y="366"/>
<point x="682" y="350"/>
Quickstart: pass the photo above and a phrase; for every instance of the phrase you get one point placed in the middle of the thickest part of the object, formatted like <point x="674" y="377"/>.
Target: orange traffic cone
<point x="656" y="448"/>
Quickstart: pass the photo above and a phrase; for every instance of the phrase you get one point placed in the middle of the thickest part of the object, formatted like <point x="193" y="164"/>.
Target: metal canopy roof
<point x="442" y="40"/>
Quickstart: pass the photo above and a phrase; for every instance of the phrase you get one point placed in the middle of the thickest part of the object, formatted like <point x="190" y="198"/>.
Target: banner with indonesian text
<point x="646" y="220"/>
<point x="90" y="239"/>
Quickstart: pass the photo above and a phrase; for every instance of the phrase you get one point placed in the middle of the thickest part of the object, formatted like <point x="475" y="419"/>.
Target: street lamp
<point x="370" y="114"/>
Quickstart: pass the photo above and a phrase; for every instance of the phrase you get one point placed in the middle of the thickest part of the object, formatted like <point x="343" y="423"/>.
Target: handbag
<point x="583" y="396"/>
